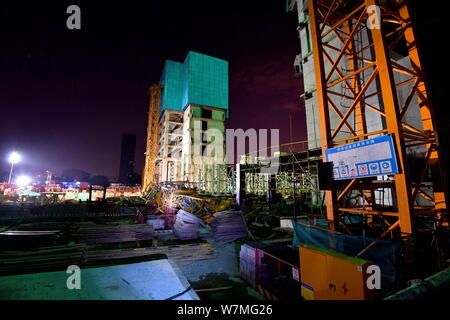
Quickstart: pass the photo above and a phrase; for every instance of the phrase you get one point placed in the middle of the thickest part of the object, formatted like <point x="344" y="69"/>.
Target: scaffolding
<point x="297" y="175"/>
<point x="213" y="179"/>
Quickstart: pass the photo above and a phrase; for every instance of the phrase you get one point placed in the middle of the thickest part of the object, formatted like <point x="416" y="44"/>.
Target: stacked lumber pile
<point x="42" y="226"/>
<point x="98" y="234"/>
<point x="200" y="251"/>
<point x="186" y="225"/>
<point x="228" y="226"/>
<point x="41" y="260"/>
<point x="13" y="239"/>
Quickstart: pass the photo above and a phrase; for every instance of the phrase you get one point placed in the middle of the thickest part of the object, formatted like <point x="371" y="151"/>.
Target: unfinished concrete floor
<point x="222" y="271"/>
<point x="154" y="280"/>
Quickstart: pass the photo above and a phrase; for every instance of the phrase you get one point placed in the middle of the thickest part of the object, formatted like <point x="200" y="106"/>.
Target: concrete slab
<point x="151" y="280"/>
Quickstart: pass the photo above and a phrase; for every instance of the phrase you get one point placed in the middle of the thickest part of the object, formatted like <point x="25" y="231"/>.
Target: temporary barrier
<point x="272" y="269"/>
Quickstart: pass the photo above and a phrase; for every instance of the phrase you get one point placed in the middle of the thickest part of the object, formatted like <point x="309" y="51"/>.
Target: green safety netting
<point x="201" y="80"/>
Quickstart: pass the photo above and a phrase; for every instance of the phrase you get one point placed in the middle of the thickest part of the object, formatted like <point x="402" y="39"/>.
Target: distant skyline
<point x="67" y="96"/>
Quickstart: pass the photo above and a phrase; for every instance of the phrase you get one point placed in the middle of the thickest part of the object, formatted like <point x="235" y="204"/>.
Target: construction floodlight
<point x="14" y="157"/>
<point x="23" y="181"/>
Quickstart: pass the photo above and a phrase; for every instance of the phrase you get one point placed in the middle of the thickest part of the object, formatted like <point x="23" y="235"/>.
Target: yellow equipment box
<point x="330" y="275"/>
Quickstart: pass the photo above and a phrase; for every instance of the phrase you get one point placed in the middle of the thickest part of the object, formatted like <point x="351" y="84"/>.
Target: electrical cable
<point x="180" y="294"/>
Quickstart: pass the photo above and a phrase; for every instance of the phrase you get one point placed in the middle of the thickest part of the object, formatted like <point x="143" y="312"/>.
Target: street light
<point x="14" y="157"/>
<point x="23" y="181"/>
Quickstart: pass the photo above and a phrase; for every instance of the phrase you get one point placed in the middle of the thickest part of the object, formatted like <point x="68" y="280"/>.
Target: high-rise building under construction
<point x="187" y="112"/>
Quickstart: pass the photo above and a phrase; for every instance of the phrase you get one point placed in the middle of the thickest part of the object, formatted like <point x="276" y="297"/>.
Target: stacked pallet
<point x="99" y="234"/>
<point x="186" y="225"/>
<point x="228" y="226"/>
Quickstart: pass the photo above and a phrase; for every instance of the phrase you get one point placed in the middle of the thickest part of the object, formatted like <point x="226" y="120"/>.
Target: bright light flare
<point x="23" y="181"/>
<point x="14" y="157"/>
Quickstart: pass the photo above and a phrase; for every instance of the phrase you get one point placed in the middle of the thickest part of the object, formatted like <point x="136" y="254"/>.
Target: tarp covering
<point x="385" y="254"/>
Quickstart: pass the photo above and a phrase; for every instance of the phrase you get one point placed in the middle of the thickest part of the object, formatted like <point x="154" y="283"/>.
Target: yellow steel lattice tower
<point x="151" y="151"/>
<point x="368" y="72"/>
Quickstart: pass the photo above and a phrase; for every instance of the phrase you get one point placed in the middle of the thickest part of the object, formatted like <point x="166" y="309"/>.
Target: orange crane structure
<point x="420" y="174"/>
<point x="149" y="176"/>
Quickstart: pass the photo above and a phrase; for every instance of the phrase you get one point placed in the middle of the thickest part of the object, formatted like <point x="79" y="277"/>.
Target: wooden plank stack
<point x="41" y="259"/>
<point x="99" y="234"/>
<point x="186" y="225"/>
<point x="12" y="239"/>
<point x="178" y="253"/>
<point x="228" y="226"/>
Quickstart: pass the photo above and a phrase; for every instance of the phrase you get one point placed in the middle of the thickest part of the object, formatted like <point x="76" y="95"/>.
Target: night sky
<point x="66" y="96"/>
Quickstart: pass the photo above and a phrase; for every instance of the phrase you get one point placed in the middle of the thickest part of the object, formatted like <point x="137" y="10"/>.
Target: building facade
<point x="191" y="128"/>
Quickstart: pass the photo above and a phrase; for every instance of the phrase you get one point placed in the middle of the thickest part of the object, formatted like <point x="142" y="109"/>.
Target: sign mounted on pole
<point x="367" y="158"/>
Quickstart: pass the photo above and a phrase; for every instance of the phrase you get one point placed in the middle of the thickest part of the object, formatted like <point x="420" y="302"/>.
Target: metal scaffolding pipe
<point x="435" y="285"/>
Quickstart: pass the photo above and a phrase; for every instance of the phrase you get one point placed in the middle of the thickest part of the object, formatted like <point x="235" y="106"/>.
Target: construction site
<point x="357" y="211"/>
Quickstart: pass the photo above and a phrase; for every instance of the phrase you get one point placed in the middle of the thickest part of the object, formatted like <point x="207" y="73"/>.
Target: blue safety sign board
<point x="366" y="158"/>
